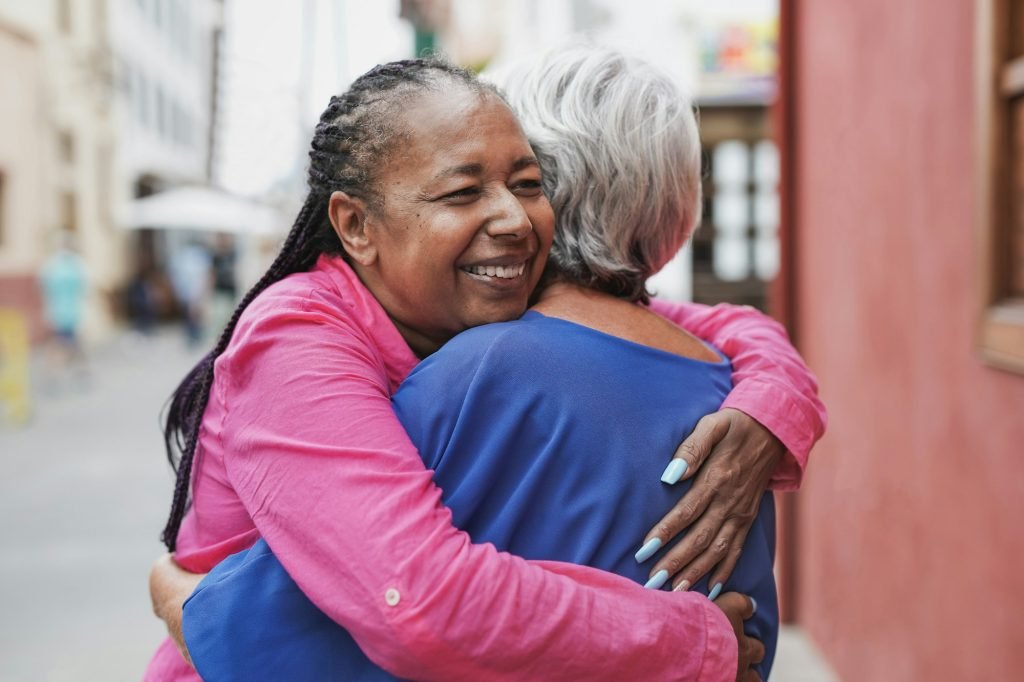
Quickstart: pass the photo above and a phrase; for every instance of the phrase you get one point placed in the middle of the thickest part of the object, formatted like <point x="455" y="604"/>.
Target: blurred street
<point x="82" y="501"/>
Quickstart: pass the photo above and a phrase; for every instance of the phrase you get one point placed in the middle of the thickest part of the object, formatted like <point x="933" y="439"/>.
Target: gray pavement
<point x="797" y="659"/>
<point x="83" y="495"/>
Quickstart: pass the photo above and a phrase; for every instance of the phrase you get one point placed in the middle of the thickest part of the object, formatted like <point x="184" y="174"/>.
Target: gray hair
<point x="618" y="144"/>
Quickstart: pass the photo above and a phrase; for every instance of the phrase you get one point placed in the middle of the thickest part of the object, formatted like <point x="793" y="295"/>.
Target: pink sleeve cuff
<point x="791" y="419"/>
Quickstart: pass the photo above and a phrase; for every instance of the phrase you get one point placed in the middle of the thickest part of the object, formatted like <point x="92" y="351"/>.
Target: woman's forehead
<point x="462" y="132"/>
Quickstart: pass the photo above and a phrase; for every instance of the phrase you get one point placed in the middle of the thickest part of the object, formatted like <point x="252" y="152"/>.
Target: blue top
<point x="63" y="285"/>
<point x="548" y="439"/>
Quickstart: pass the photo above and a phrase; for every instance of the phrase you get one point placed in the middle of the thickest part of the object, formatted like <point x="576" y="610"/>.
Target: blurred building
<point x="55" y="146"/>
<point x="903" y="168"/>
<point x="165" y="63"/>
<point x="103" y="101"/>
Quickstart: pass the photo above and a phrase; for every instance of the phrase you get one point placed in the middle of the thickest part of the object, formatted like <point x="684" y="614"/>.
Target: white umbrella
<point x="204" y="210"/>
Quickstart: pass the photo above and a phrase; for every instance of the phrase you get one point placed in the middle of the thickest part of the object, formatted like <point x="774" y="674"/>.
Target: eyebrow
<point x="478" y="169"/>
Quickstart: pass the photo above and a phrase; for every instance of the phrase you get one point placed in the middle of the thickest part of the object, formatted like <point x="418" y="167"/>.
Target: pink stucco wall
<point x="911" y="525"/>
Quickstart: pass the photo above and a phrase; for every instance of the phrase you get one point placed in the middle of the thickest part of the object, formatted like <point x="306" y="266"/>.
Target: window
<point x="736" y="250"/>
<point x="999" y="64"/>
<point x="104" y="172"/>
<point x="68" y="212"/>
<point x="142" y="98"/>
<point x="64" y="16"/>
<point x="745" y="212"/>
<point x="66" y="144"/>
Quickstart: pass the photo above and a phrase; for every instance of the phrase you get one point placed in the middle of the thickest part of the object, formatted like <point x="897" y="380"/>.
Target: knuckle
<point x="681" y="515"/>
<point x="694" y="571"/>
<point x="673" y="564"/>
<point x="689" y="451"/>
<point x="713" y="419"/>
<point x="716" y="476"/>
<point x="687" y="511"/>
<point x="729" y="472"/>
<point x="720" y="474"/>
<point x="665" y="530"/>
<point x="703" y="538"/>
<point x="721" y="547"/>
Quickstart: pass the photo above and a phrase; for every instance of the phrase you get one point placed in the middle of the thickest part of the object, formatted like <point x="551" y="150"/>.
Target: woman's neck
<point x="575" y="302"/>
<point x="618" y="317"/>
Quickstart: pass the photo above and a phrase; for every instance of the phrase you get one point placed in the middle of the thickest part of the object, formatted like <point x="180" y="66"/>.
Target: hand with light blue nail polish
<point x="675" y="470"/>
<point x="657" y="580"/>
<point x="730" y="458"/>
<point x="648" y="550"/>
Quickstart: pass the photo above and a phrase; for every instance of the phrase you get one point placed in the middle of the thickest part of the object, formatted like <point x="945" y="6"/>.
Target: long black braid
<point x="354" y="136"/>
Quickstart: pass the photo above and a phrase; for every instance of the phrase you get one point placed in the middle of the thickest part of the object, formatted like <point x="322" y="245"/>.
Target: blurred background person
<point x="140" y="300"/>
<point x="192" y="277"/>
<point x="63" y="284"/>
<point x="225" y="281"/>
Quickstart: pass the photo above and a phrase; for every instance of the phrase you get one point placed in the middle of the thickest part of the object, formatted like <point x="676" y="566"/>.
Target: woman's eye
<point x="527" y="188"/>
<point x="463" y="194"/>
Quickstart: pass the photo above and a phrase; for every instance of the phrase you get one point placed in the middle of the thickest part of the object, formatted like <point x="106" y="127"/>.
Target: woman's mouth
<point x="497" y="271"/>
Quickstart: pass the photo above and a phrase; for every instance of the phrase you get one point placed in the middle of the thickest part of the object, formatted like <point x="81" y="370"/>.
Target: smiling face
<point x="460" y="231"/>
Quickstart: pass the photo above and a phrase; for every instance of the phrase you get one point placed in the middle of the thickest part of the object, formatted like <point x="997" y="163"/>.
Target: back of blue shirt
<point x="548" y="440"/>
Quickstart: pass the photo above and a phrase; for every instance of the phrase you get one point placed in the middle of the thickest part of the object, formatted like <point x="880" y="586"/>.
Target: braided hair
<point x="355" y="134"/>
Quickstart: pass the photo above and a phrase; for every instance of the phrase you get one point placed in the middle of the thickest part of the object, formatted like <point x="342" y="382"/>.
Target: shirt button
<point x="392" y="597"/>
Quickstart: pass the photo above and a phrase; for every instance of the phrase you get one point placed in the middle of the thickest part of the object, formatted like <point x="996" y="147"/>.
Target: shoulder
<point x="498" y="343"/>
<point x="307" y="318"/>
<point x="324" y="296"/>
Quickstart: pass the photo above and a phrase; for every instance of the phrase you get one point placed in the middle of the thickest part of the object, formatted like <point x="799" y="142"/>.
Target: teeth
<point x="499" y="271"/>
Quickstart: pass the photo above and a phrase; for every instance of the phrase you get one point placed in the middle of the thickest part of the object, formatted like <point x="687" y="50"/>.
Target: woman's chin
<point x="497" y="311"/>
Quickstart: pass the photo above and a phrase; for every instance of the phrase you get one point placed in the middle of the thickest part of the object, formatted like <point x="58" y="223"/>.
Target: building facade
<point x="104" y="101"/>
<point x="908" y="527"/>
<point x="55" y="149"/>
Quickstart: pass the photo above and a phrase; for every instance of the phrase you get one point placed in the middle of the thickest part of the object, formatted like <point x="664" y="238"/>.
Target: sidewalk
<point x="798" y="660"/>
<point x="83" y="497"/>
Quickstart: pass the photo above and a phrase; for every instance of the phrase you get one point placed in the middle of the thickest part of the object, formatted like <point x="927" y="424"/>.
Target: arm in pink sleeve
<point x="334" y="485"/>
<point x="771" y="382"/>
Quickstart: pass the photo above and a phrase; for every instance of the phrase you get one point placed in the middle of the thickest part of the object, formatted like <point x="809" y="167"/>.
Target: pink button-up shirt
<point x="299" y="444"/>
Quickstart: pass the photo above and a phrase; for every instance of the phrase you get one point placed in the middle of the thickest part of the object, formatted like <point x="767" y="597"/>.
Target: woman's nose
<point x="510" y="218"/>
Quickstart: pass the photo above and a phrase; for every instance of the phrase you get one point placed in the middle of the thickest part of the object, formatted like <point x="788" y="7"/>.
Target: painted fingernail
<point x="753" y="603"/>
<point x="657" y="580"/>
<point x="674" y="471"/>
<point x="648" y="550"/>
<point x="682" y="586"/>
<point x="715" y="591"/>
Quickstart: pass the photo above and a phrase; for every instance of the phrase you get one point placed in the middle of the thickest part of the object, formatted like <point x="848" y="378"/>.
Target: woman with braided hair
<point x="425" y="217"/>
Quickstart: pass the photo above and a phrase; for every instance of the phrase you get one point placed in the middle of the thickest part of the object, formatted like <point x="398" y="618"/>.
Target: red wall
<point x="911" y="525"/>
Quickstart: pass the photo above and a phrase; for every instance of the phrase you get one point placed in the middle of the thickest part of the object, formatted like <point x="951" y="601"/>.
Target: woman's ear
<point x="348" y="218"/>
